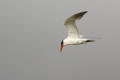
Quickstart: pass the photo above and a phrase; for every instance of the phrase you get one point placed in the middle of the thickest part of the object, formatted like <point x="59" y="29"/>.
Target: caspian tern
<point x="73" y="38"/>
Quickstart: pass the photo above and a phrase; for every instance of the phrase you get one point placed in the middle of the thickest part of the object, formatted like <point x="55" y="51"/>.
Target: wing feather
<point x="71" y="25"/>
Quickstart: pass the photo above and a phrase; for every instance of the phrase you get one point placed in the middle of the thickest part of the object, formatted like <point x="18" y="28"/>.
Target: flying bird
<point x="74" y="38"/>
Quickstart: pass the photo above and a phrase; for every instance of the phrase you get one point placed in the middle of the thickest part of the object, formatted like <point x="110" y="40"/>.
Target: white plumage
<point x="74" y="38"/>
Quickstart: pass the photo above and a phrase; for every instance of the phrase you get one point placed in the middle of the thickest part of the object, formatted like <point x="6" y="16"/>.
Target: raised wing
<point x="71" y="25"/>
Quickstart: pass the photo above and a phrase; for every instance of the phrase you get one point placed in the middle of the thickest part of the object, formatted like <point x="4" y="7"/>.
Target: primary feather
<point x="71" y="25"/>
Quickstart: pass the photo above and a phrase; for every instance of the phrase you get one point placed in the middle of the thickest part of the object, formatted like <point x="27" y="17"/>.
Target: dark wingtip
<point x="90" y="41"/>
<point x="84" y="12"/>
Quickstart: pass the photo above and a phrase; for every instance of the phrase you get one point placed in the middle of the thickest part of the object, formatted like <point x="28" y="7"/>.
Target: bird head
<point x="61" y="46"/>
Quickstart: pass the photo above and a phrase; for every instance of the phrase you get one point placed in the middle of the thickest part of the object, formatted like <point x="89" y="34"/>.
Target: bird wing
<point x="71" y="25"/>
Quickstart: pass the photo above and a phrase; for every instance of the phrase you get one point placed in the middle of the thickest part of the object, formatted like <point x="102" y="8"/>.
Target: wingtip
<point x="90" y="41"/>
<point x="75" y="17"/>
<point x="84" y="12"/>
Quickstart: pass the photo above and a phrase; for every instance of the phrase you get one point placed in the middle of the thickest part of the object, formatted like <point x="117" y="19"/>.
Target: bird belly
<point x="73" y="42"/>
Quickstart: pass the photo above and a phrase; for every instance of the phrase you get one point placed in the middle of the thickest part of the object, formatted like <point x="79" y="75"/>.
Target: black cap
<point x="62" y="42"/>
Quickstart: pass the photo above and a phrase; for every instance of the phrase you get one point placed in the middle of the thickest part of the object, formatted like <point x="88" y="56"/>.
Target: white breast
<point x="73" y="41"/>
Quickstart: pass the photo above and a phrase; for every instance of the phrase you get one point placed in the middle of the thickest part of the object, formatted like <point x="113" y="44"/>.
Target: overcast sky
<point x="31" y="32"/>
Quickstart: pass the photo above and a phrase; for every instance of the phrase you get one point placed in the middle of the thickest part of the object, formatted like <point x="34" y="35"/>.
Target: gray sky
<point x="31" y="32"/>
